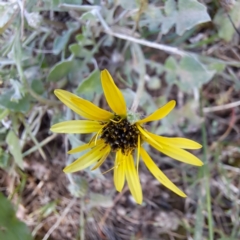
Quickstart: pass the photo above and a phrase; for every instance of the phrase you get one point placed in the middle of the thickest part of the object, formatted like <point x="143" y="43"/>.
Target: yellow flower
<point x="121" y="133"/>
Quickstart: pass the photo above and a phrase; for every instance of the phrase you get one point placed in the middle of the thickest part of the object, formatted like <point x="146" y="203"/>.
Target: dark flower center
<point x="120" y="134"/>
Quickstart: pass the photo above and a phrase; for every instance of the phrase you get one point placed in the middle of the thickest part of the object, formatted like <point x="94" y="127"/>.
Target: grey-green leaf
<point x="75" y="49"/>
<point x="129" y="5"/>
<point x="15" y="148"/>
<point x="186" y="15"/>
<point x="190" y="13"/>
<point x="152" y="18"/>
<point x="7" y="14"/>
<point x="61" y="41"/>
<point x="6" y="102"/>
<point x="99" y="200"/>
<point x="90" y="85"/>
<point x="10" y="227"/>
<point x="193" y="74"/>
<point x="37" y="86"/>
<point x="170" y="7"/>
<point x="225" y="28"/>
<point x="171" y="14"/>
<point x="60" y="70"/>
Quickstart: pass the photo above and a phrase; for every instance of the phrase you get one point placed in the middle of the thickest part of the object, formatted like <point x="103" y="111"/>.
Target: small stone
<point x="121" y="211"/>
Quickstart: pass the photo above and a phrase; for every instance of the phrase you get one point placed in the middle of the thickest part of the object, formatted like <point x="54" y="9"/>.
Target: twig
<point x="85" y="8"/>
<point x="65" y="212"/>
<point x="226" y="133"/>
<point x="41" y="224"/>
<point x="227" y="5"/>
<point x="230" y="19"/>
<point x="44" y="142"/>
<point x="163" y="47"/>
<point x="222" y="107"/>
<point x="37" y="145"/>
<point x="40" y="98"/>
<point x="228" y="167"/>
<point x="146" y="43"/>
<point x="230" y="126"/>
<point x="102" y="21"/>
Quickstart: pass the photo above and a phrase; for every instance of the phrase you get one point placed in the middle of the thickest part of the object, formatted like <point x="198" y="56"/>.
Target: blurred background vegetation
<point x="186" y="50"/>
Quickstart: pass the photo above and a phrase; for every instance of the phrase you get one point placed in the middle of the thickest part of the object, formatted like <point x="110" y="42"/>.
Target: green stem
<point x="37" y="145"/>
<point x="41" y="144"/>
<point x="4" y="113"/>
<point x="206" y="172"/>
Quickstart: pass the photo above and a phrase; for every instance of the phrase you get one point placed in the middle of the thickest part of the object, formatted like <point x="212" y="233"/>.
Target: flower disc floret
<point x="120" y="134"/>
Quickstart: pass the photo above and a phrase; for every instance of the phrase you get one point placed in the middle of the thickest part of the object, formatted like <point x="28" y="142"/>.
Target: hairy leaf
<point x="10" y="227"/>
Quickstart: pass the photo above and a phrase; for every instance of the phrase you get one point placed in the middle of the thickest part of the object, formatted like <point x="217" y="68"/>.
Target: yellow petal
<point x="81" y="148"/>
<point x="160" y="113"/>
<point x="159" y="175"/>
<point x="113" y="95"/>
<point x="176" y="142"/>
<point x="82" y="107"/>
<point x="85" y="146"/>
<point x="133" y="179"/>
<point x="87" y="159"/>
<point x="177" y="153"/>
<point x="94" y="112"/>
<point x="146" y="135"/>
<point x="119" y="171"/>
<point x="101" y="161"/>
<point x="76" y="126"/>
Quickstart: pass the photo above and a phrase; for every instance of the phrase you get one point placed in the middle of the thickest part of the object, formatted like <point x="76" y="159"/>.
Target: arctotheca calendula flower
<point x="120" y="132"/>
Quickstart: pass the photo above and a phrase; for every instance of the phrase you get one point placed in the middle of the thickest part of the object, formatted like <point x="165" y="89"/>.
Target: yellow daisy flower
<point x="122" y="133"/>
